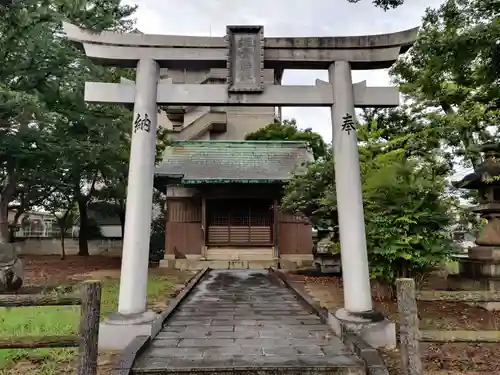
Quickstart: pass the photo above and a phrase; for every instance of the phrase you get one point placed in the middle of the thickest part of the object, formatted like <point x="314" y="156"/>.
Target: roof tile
<point x="233" y="161"/>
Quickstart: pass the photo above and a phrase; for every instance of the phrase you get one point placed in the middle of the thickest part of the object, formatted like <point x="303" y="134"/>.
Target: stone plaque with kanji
<point x="245" y="58"/>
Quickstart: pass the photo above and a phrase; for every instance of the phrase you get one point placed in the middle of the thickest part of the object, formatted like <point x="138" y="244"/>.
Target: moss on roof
<point x="196" y="162"/>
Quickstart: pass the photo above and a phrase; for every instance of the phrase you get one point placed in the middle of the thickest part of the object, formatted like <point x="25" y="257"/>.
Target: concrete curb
<point x="306" y="298"/>
<point x="174" y="304"/>
<point x="374" y="363"/>
<point x="127" y="357"/>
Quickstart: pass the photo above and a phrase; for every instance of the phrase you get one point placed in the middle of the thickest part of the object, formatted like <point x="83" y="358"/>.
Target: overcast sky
<point x="287" y="18"/>
<point x="284" y="18"/>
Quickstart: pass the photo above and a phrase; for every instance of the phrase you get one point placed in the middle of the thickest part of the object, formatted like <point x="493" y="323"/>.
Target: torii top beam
<point x="193" y="52"/>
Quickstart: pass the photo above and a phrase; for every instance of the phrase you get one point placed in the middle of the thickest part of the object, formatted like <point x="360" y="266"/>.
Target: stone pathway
<point x="242" y="320"/>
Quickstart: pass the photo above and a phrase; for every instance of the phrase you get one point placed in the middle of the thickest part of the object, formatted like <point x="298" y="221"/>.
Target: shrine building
<point x="223" y="205"/>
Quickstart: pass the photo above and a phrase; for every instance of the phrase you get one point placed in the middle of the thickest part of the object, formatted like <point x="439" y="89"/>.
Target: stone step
<point x="195" y="265"/>
<point x="272" y="365"/>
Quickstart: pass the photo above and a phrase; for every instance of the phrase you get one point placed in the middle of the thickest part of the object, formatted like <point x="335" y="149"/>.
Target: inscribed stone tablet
<point x="245" y="58"/>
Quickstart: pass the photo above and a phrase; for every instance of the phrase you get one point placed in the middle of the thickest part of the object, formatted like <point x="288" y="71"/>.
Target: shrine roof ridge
<point x="239" y="143"/>
<point x="403" y="39"/>
<point x="234" y="161"/>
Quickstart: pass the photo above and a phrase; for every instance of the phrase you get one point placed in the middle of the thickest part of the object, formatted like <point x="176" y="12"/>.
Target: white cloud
<point x="284" y="18"/>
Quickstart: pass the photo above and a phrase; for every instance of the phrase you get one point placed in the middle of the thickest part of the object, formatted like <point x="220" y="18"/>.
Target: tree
<point x="157" y="238"/>
<point x="312" y="194"/>
<point x="384" y="4"/>
<point x="451" y="75"/>
<point x="39" y="88"/>
<point x="61" y="204"/>
<point x="407" y="215"/>
<point x="288" y="131"/>
<point x="27" y="151"/>
<point x="96" y="137"/>
<point x="114" y="191"/>
<point x="406" y="209"/>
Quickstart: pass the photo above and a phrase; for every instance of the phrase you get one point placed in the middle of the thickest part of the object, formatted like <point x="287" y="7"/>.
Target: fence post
<point x="409" y="332"/>
<point x="89" y="328"/>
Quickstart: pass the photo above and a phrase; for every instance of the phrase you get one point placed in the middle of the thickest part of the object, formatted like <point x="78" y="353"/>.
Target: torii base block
<point x="117" y="331"/>
<point x="376" y="333"/>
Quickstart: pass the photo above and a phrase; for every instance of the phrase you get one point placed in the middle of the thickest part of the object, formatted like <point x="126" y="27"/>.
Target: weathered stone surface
<point x="408" y="327"/>
<point x="238" y="335"/>
<point x="460" y="336"/>
<point x="245" y="58"/>
<point x="217" y="95"/>
<point x="460" y="296"/>
<point x="11" y="269"/>
<point x="188" y="52"/>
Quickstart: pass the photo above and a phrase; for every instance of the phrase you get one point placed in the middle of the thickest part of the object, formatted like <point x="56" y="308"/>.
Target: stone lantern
<point x="11" y="269"/>
<point x="482" y="266"/>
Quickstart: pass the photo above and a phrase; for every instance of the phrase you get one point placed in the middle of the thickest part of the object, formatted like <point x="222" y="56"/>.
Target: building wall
<point x="240" y="120"/>
<point x="36" y="224"/>
<point x="294" y="235"/>
<point x="52" y="246"/>
<point x="183" y="230"/>
<point x="244" y="120"/>
<point x="111" y="231"/>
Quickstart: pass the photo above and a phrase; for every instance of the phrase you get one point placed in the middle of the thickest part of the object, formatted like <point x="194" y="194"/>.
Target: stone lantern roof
<point x="481" y="177"/>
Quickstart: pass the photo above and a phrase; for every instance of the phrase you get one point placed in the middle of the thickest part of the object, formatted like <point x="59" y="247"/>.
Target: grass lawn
<point x="64" y="320"/>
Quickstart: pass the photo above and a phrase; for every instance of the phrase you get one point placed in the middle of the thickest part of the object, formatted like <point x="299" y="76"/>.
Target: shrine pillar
<point x="354" y="256"/>
<point x="135" y="256"/>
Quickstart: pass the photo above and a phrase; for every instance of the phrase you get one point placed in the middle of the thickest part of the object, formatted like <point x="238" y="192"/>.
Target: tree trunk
<point x="83" y="244"/>
<point x="62" y="231"/>
<point x="13" y="226"/>
<point x="4" y="221"/>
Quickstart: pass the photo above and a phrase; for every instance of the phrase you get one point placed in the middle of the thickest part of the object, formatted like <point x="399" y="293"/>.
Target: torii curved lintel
<point x="124" y="49"/>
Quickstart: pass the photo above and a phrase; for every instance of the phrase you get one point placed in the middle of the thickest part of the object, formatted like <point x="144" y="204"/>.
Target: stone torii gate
<point x="245" y="53"/>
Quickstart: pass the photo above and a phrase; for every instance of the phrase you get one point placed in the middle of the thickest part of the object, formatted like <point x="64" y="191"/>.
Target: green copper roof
<point x="197" y="162"/>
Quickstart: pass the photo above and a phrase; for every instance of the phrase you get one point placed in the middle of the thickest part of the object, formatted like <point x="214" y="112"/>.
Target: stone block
<point x="288" y="264"/>
<point x="168" y="263"/>
<point x="467" y="283"/>
<point x="376" y="334"/>
<point x="198" y="264"/>
<point x="245" y="58"/>
<point x="186" y="343"/>
<point x="475" y="268"/>
<point x="165" y="343"/>
<point x="160" y="352"/>
<point x="484" y="252"/>
<point x="116" y="334"/>
<point x="261" y="264"/>
<point x="295" y="261"/>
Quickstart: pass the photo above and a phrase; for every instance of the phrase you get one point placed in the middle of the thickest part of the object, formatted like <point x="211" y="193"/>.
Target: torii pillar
<point x="355" y="272"/>
<point x="135" y="253"/>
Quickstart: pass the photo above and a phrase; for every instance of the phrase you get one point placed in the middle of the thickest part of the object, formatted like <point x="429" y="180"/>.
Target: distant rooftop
<point x="201" y="162"/>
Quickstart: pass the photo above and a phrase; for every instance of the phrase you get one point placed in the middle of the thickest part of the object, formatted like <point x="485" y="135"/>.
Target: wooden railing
<point x="411" y="335"/>
<point x="86" y="340"/>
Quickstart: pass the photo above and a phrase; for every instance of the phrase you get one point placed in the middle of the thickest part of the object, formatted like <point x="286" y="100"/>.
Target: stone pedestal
<point x="118" y="330"/>
<point x="373" y="328"/>
<point x="479" y="271"/>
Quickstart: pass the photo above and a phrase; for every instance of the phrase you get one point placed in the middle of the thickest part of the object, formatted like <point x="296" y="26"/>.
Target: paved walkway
<point x="242" y="320"/>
